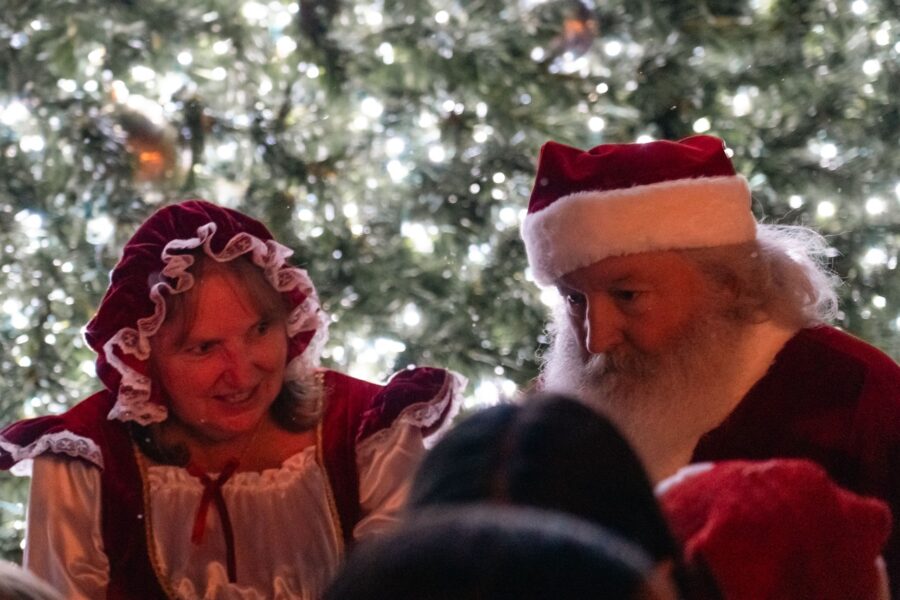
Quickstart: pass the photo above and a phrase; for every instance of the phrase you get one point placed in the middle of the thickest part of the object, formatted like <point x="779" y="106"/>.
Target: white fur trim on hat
<point x="580" y="229"/>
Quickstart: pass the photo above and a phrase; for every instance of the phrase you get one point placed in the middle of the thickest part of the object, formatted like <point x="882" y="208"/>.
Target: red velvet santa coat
<point x="831" y="398"/>
<point x="355" y="410"/>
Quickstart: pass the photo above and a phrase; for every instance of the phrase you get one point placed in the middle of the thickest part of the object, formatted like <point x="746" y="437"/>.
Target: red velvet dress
<point x="831" y="398"/>
<point x="356" y="410"/>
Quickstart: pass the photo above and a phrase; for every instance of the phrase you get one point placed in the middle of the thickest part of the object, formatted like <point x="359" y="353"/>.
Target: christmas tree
<point x="392" y="146"/>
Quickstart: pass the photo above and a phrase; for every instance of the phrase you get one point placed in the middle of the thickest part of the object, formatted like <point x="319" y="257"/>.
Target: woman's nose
<point x="238" y="368"/>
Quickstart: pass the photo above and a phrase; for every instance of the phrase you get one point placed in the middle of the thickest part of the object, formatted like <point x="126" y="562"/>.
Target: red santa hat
<point x="777" y="529"/>
<point x="618" y="199"/>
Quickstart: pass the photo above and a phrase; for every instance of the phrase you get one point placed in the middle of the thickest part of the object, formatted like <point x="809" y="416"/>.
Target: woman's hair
<point x="484" y="551"/>
<point x="783" y="275"/>
<point x="18" y="584"/>
<point x="298" y="406"/>
<point x="551" y="452"/>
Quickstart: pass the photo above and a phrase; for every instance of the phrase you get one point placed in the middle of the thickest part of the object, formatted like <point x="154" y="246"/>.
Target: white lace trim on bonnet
<point x="133" y="400"/>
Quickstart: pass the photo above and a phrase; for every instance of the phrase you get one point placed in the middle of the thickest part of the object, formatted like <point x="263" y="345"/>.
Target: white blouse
<point x="286" y="539"/>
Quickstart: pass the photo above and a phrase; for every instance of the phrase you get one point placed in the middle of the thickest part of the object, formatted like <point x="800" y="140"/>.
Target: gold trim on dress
<point x="329" y="493"/>
<point x="164" y="582"/>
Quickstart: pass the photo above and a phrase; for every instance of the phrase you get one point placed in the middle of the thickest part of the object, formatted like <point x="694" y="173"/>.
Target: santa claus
<point x="700" y="332"/>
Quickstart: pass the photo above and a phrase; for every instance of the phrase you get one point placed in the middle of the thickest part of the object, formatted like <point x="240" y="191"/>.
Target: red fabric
<point x="833" y="399"/>
<point x="779" y="529"/>
<point x="128" y="297"/>
<point x="367" y="408"/>
<point x="354" y="410"/>
<point x="564" y="170"/>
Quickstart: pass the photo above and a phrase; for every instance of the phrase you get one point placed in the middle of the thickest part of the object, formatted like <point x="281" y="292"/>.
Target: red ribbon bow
<point x="212" y="492"/>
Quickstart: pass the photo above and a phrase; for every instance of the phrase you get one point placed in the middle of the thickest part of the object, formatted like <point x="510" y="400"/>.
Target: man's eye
<point x="626" y="295"/>
<point x="575" y="299"/>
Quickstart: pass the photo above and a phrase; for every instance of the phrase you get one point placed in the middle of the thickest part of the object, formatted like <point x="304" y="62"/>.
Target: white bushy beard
<point x="663" y="402"/>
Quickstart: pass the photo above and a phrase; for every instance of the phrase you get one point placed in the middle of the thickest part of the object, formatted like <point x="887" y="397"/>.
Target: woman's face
<point x="221" y="371"/>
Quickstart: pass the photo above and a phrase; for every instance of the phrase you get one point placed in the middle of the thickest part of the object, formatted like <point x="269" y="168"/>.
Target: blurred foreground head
<point x="481" y="552"/>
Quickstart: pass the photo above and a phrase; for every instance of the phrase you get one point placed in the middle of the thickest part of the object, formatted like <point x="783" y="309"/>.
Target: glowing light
<point x="96" y="56"/>
<point x="537" y="54"/>
<point x="602" y="88"/>
<point x="31" y="143"/>
<point x="481" y="110"/>
<point x="875" y="257"/>
<point x="371" y="107"/>
<point x="596" y="124"/>
<point x="508" y="216"/>
<point x="613" y="48"/>
<point x="883" y="37"/>
<point x="313" y="72"/>
<point x="859" y="7"/>
<point x="871" y="67"/>
<point x="16" y="112"/>
<point x="218" y="74"/>
<point x="741" y="104"/>
<point x="99" y="230"/>
<point x="419" y="237"/>
<point x="644" y="139"/>
<point x="437" y="154"/>
<point x="284" y="46"/>
<point x="875" y="205"/>
<point x="486" y="394"/>
<point x="795" y="201"/>
<point x="386" y="52"/>
<point x="397" y="170"/>
<point x="32" y="223"/>
<point x="481" y="133"/>
<point x="499" y="177"/>
<point x="879" y="301"/>
<point x="221" y="47"/>
<point x="411" y="315"/>
<point x="702" y="125"/>
<point x="142" y="74"/>
<point x="442" y="17"/>
<point x="478" y="254"/>
<point x="826" y="209"/>
<point x="828" y="151"/>
<point x="254" y="11"/>
<point x="395" y="146"/>
<point x="67" y="85"/>
<point x="87" y="367"/>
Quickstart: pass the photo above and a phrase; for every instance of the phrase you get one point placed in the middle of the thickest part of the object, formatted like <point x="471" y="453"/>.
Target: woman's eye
<point x="263" y="327"/>
<point x="201" y="348"/>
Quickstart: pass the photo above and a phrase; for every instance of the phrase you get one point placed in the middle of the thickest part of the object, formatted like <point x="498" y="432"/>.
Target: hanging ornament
<point x="579" y="30"/>
<point x="151" y="142"/>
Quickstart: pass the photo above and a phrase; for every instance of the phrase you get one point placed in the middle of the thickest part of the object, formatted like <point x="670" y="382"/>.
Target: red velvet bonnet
<point x="155" y="263"/>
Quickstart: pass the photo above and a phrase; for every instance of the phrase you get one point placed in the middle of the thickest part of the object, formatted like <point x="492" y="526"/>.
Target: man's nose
<point x="603" y="324"/>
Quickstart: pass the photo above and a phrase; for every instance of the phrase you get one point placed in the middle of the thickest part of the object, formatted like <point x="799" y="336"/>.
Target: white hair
<point x="783" y="275"/>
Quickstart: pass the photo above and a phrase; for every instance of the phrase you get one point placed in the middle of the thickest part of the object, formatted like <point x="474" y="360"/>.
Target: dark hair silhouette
<point x="550" y="452"/>
<point x="553" y="452"/>
<point x="487" y="551"/>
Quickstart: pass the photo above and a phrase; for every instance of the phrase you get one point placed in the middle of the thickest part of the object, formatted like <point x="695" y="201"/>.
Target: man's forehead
<point x="643" y="266"/>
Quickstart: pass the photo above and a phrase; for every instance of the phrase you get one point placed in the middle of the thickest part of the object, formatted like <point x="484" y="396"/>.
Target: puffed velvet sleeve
<point x="408" y="414"/>
<point x="63" y="540"/>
